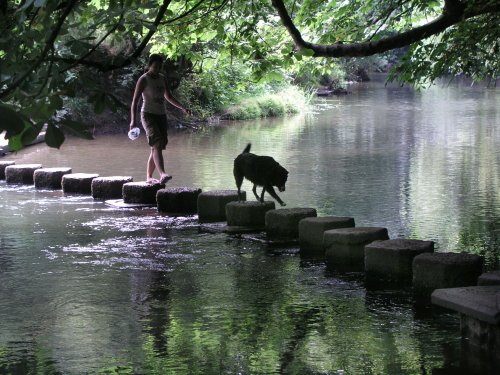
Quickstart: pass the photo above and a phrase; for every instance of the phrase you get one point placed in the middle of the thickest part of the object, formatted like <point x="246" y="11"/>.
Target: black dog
<point x="262" y="171"/>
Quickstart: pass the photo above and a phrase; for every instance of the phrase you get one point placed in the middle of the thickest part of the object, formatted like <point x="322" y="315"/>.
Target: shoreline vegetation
<point x="213" y="98"/>
<point x="262" y="101"/>
<point x="232" y="95"/>
<point x="290" y="100"/>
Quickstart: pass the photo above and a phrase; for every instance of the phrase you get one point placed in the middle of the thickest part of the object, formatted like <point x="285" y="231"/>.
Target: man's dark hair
<point x="154" y="57"/>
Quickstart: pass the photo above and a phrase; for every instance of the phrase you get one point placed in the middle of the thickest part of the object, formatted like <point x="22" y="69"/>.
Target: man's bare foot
<point x="152" y="181"/>
<point x="165" y="178"/>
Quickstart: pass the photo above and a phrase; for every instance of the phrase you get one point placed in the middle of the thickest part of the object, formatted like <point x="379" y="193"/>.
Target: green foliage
<point x="471" y="48"/>
<point x="286" y="101"/>
<point x="208" y="92"/>
<point x="54" y="51"/>
<point x="245" y="110"/>
<point x="232" y="90"/>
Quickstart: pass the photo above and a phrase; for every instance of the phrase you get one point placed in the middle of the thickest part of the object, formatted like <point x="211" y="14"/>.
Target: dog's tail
<point x="247" y="149"/>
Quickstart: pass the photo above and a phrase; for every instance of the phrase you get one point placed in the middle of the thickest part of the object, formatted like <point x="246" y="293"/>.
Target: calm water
<point x="85" y="288"/>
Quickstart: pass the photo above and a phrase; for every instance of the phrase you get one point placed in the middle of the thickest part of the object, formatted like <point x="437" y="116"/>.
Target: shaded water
<point x="85" y="288"/>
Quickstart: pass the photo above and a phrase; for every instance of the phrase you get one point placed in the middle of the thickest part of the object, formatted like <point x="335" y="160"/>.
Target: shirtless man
<point x="154" y="90"/>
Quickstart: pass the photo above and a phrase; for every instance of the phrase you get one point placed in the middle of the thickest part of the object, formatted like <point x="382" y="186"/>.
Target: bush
<point x="246" y="110"/>
<point x="288" y="100"/>
<point x="232" y="93"/>
<point x="271" y="106"/>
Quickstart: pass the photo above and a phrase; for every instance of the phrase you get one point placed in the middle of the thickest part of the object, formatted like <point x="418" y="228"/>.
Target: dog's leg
<point x="238" y="178"/>
<point x="254" y="189"/>
<point x="271" y="191"/>
<point x="262" y="194"/>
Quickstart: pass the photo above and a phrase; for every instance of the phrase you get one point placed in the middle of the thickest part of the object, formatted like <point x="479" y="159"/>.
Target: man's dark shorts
<point x="155" y="127"/>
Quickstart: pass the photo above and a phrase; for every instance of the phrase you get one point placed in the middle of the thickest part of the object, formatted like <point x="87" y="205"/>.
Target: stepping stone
<point x="248" y="214"/>
<point x="50" y="178"/>
<point x="479" y="308"/>
<point x="3" y="165"/>
<point x="78" y="183"/>
<point x="345" y="247"/>
<point x="284" y="223"/>
<point x="489" y="278"/>
<point x="445" y="270"/>
<point x="109" y="187"/>
<point x="141" y="192"/>
<point x="391" y="260"/>
<point x="21" y="173"/>
<point x="212" y="204"/>
<point x="179" y="200"/>
<point x="311" y="230"/>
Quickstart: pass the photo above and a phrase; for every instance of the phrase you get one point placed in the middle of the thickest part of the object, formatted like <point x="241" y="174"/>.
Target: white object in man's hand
<point x="133" y="134"/>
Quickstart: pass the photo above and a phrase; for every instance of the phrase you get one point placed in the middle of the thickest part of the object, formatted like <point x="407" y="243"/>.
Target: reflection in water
<point x="87" y="288"/>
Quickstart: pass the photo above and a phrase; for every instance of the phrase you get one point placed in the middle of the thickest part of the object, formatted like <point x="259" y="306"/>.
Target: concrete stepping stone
<point x="179" y="200"/>
<point x="345" y="247"/>
<point x="21" y="173"/>
<point x="78" y="183"/>
<point x="212" y="204"/>
<point x="110" y="187"/>
<point x="3" y="165"/>
<point x="311" y="230"/>
<point x="489" y="278"/>
<point x="141" y="192"/>
<point x="445" y="270"/>
<point x="284" y="222"/>
<point x="479" y="308"/>
<point x="391" y="260"/>
<point x="248" y="214"/>
<point x="50" y="178"/>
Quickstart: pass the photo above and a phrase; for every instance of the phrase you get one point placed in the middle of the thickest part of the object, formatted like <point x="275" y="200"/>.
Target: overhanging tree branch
<point x="185" y="14"/>
<point x="49" y="45"/>
<point x="153" y="28"/>
<point x="454" y="12"/>
<point x="94" y="48"/>
<point x="104" y="67"/>
<point x="161" y="12"/>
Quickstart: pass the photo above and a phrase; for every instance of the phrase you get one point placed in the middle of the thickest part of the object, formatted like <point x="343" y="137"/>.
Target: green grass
<point x="287" y="101"/>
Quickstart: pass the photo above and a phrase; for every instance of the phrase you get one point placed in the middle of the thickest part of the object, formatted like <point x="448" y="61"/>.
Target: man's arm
<point x="139" y="88"/>
<point x="170" y="98"/>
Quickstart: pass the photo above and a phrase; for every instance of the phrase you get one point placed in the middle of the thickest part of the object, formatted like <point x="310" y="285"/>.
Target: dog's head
<point x="279" y="176"/>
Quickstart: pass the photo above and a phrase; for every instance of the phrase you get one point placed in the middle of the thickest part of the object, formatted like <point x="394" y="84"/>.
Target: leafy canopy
<point x="59" y="49"/>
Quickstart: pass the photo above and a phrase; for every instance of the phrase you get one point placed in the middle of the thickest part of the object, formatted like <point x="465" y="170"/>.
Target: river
<point x="87" y="288"/>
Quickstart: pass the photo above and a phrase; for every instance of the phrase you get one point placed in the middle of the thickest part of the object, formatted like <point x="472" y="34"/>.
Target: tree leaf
<point x="55" y="103"/>
<point x="306" y="52"/>
<point x="54" y="137"/>
<point x="30" y="133"/>
<point x="15" y="142"/>
<point x="12" y="122"/>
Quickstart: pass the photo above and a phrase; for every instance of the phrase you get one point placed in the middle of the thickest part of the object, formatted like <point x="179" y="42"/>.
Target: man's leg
<point x="150" y="167"/>
<point x="159" y="163"/>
